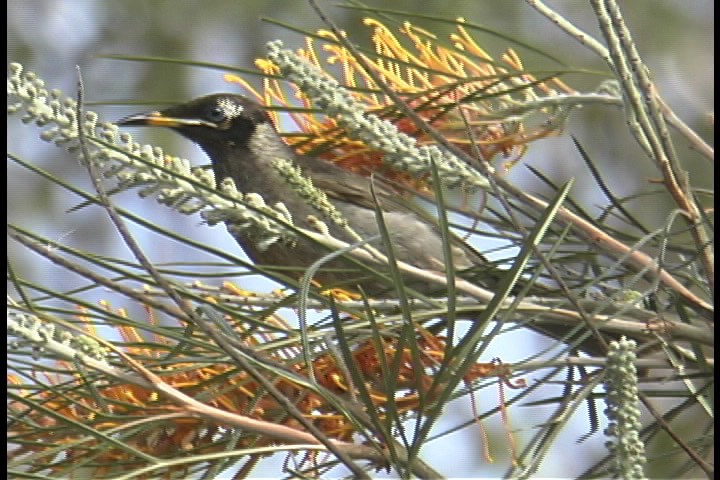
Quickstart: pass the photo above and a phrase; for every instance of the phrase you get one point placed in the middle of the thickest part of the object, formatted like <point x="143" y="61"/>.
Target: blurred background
<point x="51" y="38"/>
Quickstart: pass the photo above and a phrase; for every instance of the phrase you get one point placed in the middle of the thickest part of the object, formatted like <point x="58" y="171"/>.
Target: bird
<point x="239" y="137"/>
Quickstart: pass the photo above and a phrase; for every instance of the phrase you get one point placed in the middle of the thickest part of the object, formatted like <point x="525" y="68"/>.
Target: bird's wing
<point x="344" y="185"/>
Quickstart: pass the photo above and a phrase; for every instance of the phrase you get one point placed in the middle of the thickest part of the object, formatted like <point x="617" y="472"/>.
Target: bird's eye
<point x="216" y="114"/>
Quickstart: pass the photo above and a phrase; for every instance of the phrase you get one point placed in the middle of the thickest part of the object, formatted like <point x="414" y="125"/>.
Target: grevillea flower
<point x="484" y="107"/>
<point x="149" y="423"/>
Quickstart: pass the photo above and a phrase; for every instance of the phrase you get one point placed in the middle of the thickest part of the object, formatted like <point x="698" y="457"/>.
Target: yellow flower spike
<point x="468" y="43"/>
<point x="128" y="333"/>
<point x="511" y="57"/>
<point x="428" y="58"/>
<point x="349" y="74"/>
<point x="456" y="64"/>
<point x="420" y="31"/>
<point x="309" y="51"/>
<point x="265" y="65"/>
<point x="400" y="52"/>
<point x="341" y="295"/>
<point x="230" y="78"/>
<point x="563" y="86"/>
<point x="130" y="397"/>
<point x="235" y="290"/>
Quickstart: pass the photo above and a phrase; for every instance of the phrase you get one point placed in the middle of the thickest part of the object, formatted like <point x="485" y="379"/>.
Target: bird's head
<point x="219" y="121"/>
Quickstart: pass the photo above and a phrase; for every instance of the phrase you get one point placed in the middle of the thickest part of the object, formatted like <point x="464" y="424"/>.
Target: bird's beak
<point x="157" y="119"/>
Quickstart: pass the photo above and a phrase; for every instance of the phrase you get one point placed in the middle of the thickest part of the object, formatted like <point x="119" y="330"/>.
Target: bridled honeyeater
<point x="241" y="141"/>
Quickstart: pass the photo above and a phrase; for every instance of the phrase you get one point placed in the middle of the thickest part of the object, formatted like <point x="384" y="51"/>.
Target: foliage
<point x="191" y="379"/>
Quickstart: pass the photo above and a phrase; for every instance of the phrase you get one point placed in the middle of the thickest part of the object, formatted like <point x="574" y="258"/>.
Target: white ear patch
<point x="231" y="108"/>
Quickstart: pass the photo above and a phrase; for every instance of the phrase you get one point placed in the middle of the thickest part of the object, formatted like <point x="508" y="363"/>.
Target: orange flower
<point x="111" y="406"/>
<point x="476" y="103"/>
